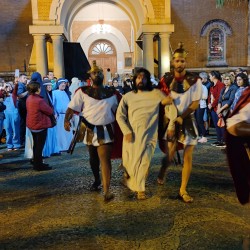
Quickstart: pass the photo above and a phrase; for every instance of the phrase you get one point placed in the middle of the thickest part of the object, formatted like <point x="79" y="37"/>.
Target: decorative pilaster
<point x="41" y="54"/>
<point x="57" y="41"/>
<point x="148" y="52"/>
<point x="138" y="57"/>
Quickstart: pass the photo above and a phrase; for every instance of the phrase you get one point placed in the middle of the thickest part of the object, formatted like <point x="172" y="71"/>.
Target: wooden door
<point x="105" y="55"/>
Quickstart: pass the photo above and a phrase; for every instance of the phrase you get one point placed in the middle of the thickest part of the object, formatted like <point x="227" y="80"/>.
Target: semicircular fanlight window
<point x="102" y="48"/>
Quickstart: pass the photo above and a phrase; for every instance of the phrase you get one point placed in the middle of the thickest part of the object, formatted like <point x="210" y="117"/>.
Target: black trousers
<point x="39" y="139"/>
<point x="23" y="113"/>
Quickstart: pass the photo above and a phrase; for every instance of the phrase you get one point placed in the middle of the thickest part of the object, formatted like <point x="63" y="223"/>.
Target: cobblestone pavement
<point x="56" y="210"/>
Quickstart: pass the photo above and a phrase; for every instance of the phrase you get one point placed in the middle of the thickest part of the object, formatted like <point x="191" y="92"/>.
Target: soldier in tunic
<point x="186" y="92"/>
<point x="96" y="106"/>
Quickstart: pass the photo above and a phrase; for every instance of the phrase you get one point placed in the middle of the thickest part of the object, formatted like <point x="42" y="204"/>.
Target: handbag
<point x="225" y="112"/>
<point x="53" y="121"/>
<point x="221" y="122"/>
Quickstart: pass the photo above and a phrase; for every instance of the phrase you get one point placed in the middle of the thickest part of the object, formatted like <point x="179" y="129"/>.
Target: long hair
<point x="244" y="77"/>
<point x="149" y="86"/>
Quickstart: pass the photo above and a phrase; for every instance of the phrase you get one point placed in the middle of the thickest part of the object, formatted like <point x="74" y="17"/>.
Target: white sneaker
<point x="203" y="140"/>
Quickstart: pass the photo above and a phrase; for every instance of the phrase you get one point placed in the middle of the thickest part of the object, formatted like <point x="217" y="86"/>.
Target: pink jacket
<point x="38" y="112"/>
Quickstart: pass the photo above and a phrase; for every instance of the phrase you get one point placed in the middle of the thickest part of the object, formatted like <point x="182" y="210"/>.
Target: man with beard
<point x="186" y="91"/>
<point x="137" y="116"/>
<point x="96" y="106"/>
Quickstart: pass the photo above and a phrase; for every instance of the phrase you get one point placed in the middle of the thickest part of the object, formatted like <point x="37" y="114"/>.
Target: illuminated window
<point x="216" y="31"/>
<point x="216" y="45"/>
<point x="102" y="48"/>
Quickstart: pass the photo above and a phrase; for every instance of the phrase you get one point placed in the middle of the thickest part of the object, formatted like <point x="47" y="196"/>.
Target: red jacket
<point x="215" y="91"/>
<point x="38" y="112"/>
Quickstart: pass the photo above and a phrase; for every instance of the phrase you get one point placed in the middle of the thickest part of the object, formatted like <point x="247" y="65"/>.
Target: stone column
<point x="148" y="52"/>
<point x="57" y="41"/>
<point x="138" y="57"/>
<point x="41" y="54"/>
<point x="164" y="53"/>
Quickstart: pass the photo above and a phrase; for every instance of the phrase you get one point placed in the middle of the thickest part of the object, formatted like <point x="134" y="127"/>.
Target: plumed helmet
<point x="95" y="68"/>
<point x="180" y="51"/>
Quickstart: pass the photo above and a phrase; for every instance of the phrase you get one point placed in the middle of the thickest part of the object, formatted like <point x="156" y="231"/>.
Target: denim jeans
<point x="199" y="114"/>
<point x="219" y="131"/>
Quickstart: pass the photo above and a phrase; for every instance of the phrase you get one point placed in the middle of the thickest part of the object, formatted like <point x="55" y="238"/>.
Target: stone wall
<point x="15" y="19"/>
<point x="190" y="16"/>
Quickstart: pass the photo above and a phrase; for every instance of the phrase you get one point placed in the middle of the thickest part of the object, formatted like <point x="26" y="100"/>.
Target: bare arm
<point x="240" y="129"/>
<point x="68" y="115"/>
<point x="191" y="108"/>
<point x="167" y="101"/>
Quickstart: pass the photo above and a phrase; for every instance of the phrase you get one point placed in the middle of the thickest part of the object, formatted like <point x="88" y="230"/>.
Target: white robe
<point x="60" y="103"/>
<point x="139" y="113"/>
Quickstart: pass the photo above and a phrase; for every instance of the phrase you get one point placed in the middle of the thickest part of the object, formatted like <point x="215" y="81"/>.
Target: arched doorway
<point x="131" y="22"/>
<point x="104" y="52"/>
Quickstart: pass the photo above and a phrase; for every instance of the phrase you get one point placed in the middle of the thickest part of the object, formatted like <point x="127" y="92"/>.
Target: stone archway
<point x="53" y="18"/>
<point x="63" y="12"/>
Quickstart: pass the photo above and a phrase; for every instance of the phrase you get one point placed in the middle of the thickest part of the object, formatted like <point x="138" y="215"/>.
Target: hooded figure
<point x="74" y="85"/>
<point x="36" y="77"/>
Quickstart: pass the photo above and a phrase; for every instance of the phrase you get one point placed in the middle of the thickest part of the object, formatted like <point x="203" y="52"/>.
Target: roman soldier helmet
<point x="180" y="51"/>
<point x="95" y="68"/>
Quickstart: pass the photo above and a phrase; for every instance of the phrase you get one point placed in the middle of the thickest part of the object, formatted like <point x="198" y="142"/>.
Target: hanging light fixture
<point x="101" y="28"/>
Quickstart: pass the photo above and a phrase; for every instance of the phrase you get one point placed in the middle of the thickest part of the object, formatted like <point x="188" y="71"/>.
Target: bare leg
<point x="166" y="162"/>
<point x="104" y="153"/>
<point x="94" y="164"/>
<point x="186" y="171"/>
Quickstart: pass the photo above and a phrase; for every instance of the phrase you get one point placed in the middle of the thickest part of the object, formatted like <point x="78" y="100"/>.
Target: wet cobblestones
<point x="56" y="210"/>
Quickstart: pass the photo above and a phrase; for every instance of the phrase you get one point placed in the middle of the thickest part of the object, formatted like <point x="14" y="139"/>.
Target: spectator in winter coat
<point x="38" y="121"/>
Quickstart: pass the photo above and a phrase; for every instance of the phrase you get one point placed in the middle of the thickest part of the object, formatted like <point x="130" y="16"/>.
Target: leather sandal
<point x="108" y="197"/>
<point x="185" y="197"/>
<point x="160" y="181"/>
<point x="124" y="181"/>
<point x="141" y="196"/>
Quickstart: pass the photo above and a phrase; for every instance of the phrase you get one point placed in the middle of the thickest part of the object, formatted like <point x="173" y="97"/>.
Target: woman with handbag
<point x="227" y="95"/>
<point x="38" y="121"/>
<point x="226" y="99"/>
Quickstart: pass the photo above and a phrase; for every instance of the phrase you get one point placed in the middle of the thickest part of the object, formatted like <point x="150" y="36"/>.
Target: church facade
<point x="124" y="34"/>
